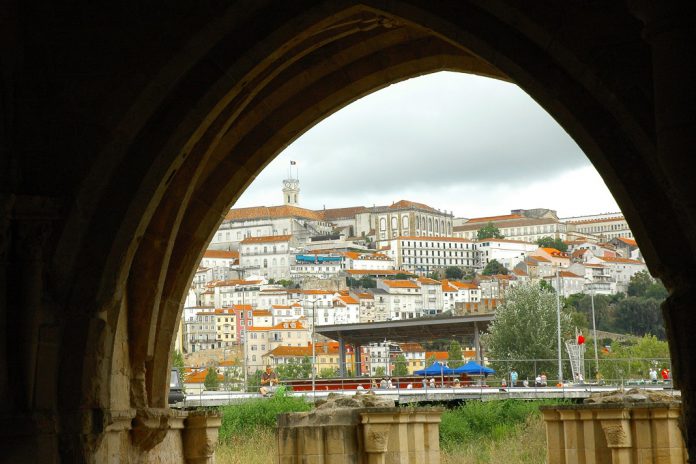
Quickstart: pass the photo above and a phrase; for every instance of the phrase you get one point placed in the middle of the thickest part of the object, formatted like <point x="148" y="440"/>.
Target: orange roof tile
<point x="411" y="347"/>
<point x="260" y="212"/>
<point x="348" y="299"/>
<point x="199" y="376"/>
<point x="412" y="204"/>
<point x="438" y="355"/>
<point x="628" y="241"/>
<point x="221" y="254"/>
<point x="375" y="272"/>
<point x="340" y="213"/>
<point x="612" y="259"/>
<point x="495" y="218"/>
<point x="400" y="284"/>
<point x="266" y="239"/>
<point x="261" y="313"/>
<point x="432" y="239"/>
<point x="366" y="296"/>
<point x="428" y="281"/>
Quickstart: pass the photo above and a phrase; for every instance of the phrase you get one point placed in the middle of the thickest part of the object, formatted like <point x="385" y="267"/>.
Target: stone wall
<point x="636" y="427"/>
<point x="360" y="430"/>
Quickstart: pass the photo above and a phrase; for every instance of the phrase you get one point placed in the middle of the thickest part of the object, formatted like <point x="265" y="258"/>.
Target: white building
<point x="454" y="292"/>
<point x="507" y="252"/>
<point x="268" y="255"/>
<point x="403" y="298"/>
<point x="423" y="255"/>
<point x="604" y="226"/>
<point x="432" y="296"/>
<point x="524" y="225"/>
<point x="265" y="339"/>
<point x="569" y="282"/>
<point x="367" y="261"/>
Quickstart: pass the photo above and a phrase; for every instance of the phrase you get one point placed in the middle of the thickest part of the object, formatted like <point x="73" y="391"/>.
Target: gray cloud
<point x="439" y="136"/>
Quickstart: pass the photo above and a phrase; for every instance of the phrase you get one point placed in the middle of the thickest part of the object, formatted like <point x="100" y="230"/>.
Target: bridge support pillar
<point x="341" y="357"/>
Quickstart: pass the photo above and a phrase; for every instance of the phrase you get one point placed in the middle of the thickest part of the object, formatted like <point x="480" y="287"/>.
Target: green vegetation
<point x="295" y="369"/>
<point x="494" y="267"/>
<point x="363" y="282"/>
<point x="254" y="416"/>
<point x="400" y="366"/>
<point x="525" y="328"/>
<point x="328" y="372"/>
<point x="454" y="273"/>
<point x="633" y="359"/>
<point x="637" y="314"/>
<point x="454" y="355"/>
<point x="211" y="381"/>
<point x="476" y="420"/>
<point x="476" y="432"/>
<point x="550" y="242"/>
<point x="380" y="371"/>
<point x="489" y="231"/>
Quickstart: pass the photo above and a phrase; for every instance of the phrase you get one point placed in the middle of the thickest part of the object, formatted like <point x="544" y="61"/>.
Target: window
<point x="383" y="225"/>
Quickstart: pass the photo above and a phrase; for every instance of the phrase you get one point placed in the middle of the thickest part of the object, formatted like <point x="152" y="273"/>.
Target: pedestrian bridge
<point x="425" y="395"/>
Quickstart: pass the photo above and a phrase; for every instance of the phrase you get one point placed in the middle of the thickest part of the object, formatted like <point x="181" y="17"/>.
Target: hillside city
<point x="271" y="273"/>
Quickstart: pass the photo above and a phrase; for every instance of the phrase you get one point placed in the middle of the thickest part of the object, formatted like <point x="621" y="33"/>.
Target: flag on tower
<point x="292" y="163"/>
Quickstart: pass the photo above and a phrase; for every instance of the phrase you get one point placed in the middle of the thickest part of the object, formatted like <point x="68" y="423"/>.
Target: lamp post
<point x="594" y="325"/>
<point x="314" y="349"/>
<point x="558" y="322"/>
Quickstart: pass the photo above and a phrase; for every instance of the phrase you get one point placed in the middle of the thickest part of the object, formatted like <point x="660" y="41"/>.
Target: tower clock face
<point x="290" y="184"/>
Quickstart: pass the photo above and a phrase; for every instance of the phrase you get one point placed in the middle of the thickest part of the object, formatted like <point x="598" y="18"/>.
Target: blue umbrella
<point x="437" y="368"/>
<point x="473" y="368"/>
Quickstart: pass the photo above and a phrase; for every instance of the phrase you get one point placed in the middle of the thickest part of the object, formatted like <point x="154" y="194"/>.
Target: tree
<point x="434" y="275"/>
<point x="454" y="355"/>
<point x="454" y="273"/>
<point x="328" y="372"/>
<point x="633" y="359"/>
<point x="379" y="371"/>
<point x="177" y="360"/>
<point x="643" y="285"/>
<point x="295" y="369"/>
<point x="489" y="231"/>
<point x="639" y="316"/>
<point x="550" y="242"/>
<point x="546" y="286"/>
<point x="211" y="381"/>
<point x="525" y="328"/>
<point x="494" y="267"/>
<point x="400" y="366"/>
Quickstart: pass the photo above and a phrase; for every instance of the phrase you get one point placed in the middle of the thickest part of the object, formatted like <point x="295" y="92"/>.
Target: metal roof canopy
<point x="411" y="330"/>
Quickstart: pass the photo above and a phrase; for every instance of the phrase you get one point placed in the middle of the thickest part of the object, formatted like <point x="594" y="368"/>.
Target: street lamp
<point x="314" y="349"/>
<point x="558" y="321"/>
<point x="594" y="326"/>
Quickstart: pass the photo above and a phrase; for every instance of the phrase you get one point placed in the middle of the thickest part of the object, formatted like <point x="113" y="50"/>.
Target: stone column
<point x="200" y="437"/>
<point x="341" y="357"/>
<point x="617" y="431"/>
<point x="669" y="29"/>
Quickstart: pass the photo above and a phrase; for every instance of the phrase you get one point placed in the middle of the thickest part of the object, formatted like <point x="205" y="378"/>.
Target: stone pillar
<point x="341" y="357"/>
<point x="669" y="29"/>
<point x="200" y="436"/>
<point x="614" y="432"/>
<point x="359" y="430"/>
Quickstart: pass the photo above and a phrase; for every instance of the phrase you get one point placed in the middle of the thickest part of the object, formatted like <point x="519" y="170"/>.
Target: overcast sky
<point x="456" y="142"/>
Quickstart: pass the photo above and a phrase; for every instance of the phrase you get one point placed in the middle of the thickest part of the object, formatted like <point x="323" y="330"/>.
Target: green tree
<point x="633" y="359"/>
<point x="489" y="231"/>
<point x="454" y="355"/>
<point x="525" y="328"/>
<point x="494" y="267"/>
<point x="368" y="282"/>
<point x="546" y="286"/>
<point x="328" y="372"/>
<point x="454" y="273"/>
<point x="639" y="316"/>
<point x="582" y="303"/>
<point x="639" y="284"/>
<point x="211" y="381"/>
<point x="177" y="360"/>
<point x="550" y="242"/>
<point x="400" y="366"/>
<point x="379" y="371"/>
<point x="295" y="369"/>
<point x="435" y="275"/>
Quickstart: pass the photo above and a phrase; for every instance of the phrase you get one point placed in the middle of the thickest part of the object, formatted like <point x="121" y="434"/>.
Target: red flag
<point x="581" y="339"/>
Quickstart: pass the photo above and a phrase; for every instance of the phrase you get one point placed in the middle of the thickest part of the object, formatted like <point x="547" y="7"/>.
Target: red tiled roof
<point x="412" y="204"/>
<point x="266" y="239"/>
<point x="428" y="281"/>
<point x="504" y="217"/>
<point x="222" y="254"/>
<point x="400" y="284"/>
<point x="628" y="241"/>
<point x="261" y="212"/>
<point x="438" y="355"/>
<point x="612" y="259"/>
<point x="340" y="213"/>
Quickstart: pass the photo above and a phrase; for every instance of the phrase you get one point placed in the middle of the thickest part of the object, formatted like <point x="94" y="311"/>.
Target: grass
<point x="474" y="433"/>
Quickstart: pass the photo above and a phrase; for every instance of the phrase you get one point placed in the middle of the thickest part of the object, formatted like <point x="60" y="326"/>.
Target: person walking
<point x="513" y="377"/>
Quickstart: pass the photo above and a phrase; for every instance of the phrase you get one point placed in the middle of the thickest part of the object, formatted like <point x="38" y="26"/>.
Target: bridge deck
<point x="419" y="395"/>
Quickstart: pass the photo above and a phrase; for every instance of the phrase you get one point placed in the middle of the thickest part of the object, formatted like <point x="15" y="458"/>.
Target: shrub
<point x="257" y="414"/>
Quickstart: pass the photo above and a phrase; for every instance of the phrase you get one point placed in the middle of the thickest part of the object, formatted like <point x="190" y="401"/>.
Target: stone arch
<point x="214" y="99"/>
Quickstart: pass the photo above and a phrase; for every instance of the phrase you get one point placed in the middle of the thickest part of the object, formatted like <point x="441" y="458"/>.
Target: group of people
<point x="664" y="373"/>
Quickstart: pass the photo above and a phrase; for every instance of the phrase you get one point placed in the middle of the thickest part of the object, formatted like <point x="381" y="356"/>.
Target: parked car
<point x="176" y="387"/>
